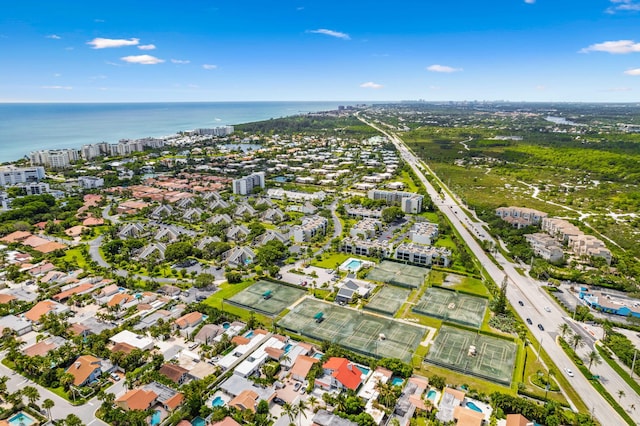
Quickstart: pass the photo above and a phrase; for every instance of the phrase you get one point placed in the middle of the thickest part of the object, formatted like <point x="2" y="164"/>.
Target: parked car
<point x="529" y="321"/>
<point x="278" y="401"/>
<point x="569" y="372"/>
<point x="520" y="302"/>
<point x="540" y="327"/>
<point x="297" y="386"/>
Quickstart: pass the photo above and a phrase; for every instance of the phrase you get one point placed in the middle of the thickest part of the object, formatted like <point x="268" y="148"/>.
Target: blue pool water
<point x="397" y="381"/>
<point x="364" y="370"/>
<point x="249" y="335"/>
<point x="317" y="355"/>
<point x="156" y="418"/>
<point x="287" y="348"/>
<point x="226" y="325"/>
<point x="473" y="406"/>
<point x="198" y="421"/>
<point x="217" y="402"/>
<point x="354" y="264"/>
<point x="20" y="419"/>
<point x="432" y="395"/>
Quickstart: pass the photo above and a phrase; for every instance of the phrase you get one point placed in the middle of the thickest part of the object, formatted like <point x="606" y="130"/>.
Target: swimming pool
<point x="354" y="264"/>
<point x="156" y="418"/>
<point x="473" y="406"/>
<point x="217" y="402"/>
<point x="364" y="370"/>
<point x="249" y="335"/>
<point x="397" y="381"/>
<point x="226" y="325"/>
<point x="198" y="421"/>
<point x="20" y="419"/>
<point x="317" y="355"/>
<point x="431" y="395"/>
<point x="287" y="348"/>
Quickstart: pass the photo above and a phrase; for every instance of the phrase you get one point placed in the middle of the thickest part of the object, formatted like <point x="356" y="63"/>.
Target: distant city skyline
<point x="199" y="50"/>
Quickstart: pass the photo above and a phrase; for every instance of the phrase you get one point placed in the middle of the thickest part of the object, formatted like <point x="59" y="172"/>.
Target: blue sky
<point x="237" y="50"/>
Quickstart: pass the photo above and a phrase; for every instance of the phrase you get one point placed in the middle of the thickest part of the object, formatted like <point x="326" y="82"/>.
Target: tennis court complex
<point x="452" y="306"/>
<point x="266" y="297"/>
<point x="388" y="300"/>
<point x="468" y="352"/>
<point x="399" y="274"/>
<point x="364" y="333"/>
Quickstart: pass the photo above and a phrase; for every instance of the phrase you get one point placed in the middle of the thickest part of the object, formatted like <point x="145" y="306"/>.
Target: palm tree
<point x="313" y="402"/>
<point x="564" y="329"/>
<point x="290" y="411"/>
<point x="576" y="341"/>
<point x="72" y="420"/>
<point x="594" y="358"/>
<point x="301" y="406"/>
<point x="621" y="394"/>
<point x="48" y="404"/>
<point x="31" y="393"/>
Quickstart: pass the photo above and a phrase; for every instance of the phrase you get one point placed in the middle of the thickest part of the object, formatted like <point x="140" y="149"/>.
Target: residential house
<point x="302" y="366"/>
<point x="43" y="347"/>
<point x="187" y="323"/>
<point x="175" y="373"/>
<point x="520" y="217"/>
<point x="409" y="202"/>
<point x="237" y="233"/>
<point x="220" y="218"/>
<point x="168" y="234"/>
<point x="136" y="399"/>
<point x="156" y="249"/>
<point x="365" y="228"/>
<point x="18" y="325"/>
<point x="451" y="398"/>
<point x="135" y="340"/>
<point x="270" y="235"/>
<point x="545" y="246"/>
<point x="239" y="256"/>
<point x="85" y="369"/>
<point x="341" y="374"/>
<point x="325" y="418"/>
<point x="245" y="400"/>
<point x="208" y="333"/>
<point x="205" y="241"/>
<point x="273" y="215"/>
<point x="227" y="421"/>
<point x="244" y="209"/>
<point x="518" y="420"/>
<point x="132" y="230"/>
<point x="44" y="307"/>
<point x="193" y="214"/>
<point x="161" y="212"/>
<point x="467" y="417"/>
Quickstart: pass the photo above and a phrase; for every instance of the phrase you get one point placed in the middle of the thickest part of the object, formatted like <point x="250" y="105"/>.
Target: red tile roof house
<point x="340" y="373"/>
<point x="136" y="399"/>
<point x="85" y="369"/>
<point x="175" y="373"/>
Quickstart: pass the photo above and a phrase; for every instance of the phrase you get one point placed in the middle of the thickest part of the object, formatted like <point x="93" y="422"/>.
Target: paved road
<point x="524" y="288"/>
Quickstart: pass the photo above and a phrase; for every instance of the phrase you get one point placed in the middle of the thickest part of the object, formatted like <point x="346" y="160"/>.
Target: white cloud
<point x="104" y="43"/>
<point x="529" y="1"/>
<point x="336" y="34"/>
<point x="371" y="85"/>
<point x="209" y="66"/>
<point x="614" y="47"/>
<point x="624" y="6"/>
<point x="541" y="87"/>
<point x="58" y="87"/>
<point x="54" y="37"/>
<point x="147" y="46"/>
<point x="57" y="74"/>
<point x="442" y="68"/>
<point x="635" y="71"/>
<point x="180" y="61"/>
<point x="142" y="59"/>
<point x="193" y="86"/>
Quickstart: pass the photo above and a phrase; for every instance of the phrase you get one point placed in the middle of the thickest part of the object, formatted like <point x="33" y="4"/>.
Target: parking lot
<point x="323" y="276"/>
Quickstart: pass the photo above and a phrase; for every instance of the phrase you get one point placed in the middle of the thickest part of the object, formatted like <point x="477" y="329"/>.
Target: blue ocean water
<point x="30" y="127"/>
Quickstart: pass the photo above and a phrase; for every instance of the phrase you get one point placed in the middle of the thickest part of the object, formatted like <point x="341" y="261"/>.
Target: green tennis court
<point x="487" y="357"/>
<point x="388" y="300"/>
<point x="360" y="332"/>
<point x="452" y="306"/>
<point x="398" y="274"/>
<point x="266" y="297"/>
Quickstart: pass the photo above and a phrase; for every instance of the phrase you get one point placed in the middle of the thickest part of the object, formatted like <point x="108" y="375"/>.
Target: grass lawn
<point x="75" y="255"/>
<point x="331" y="260"/>
<point x="410" y="185"/>
<point x="531" y="368"/>
<point x="472" y="285"/>
<point x="228" y="290"/>
<point x="456" y="379"/>
<point x="445" y="241"/>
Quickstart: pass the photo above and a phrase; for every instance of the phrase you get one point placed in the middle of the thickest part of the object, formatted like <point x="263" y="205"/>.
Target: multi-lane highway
<point x="536" y="304"/>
